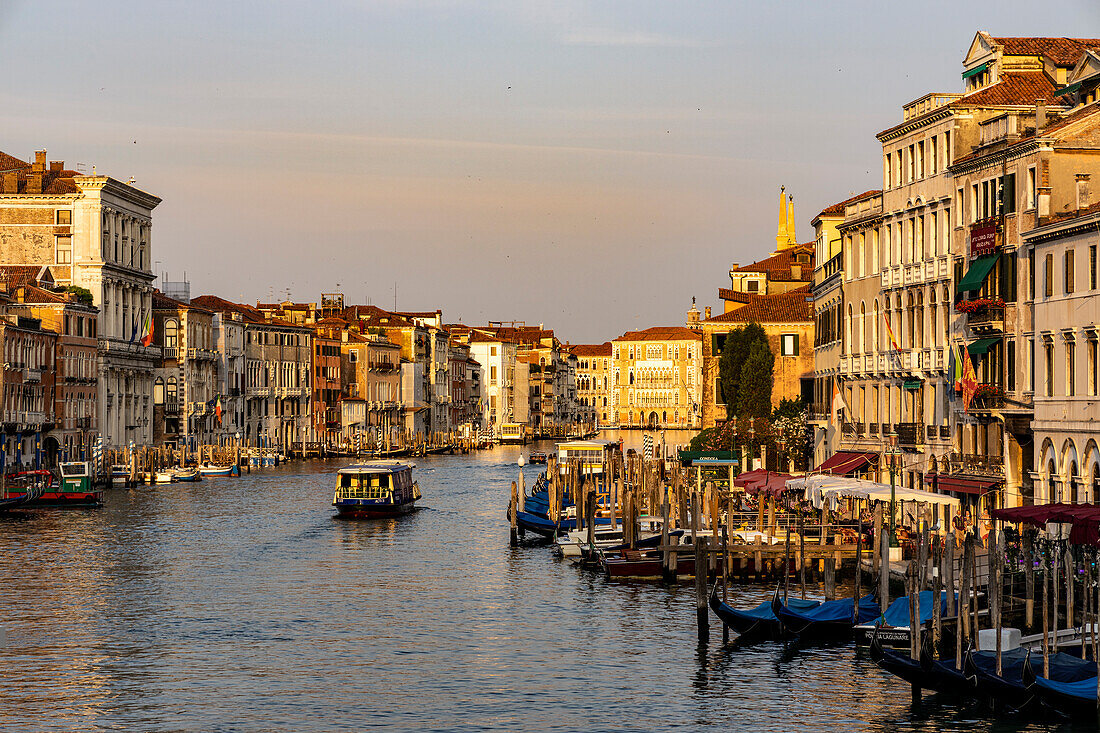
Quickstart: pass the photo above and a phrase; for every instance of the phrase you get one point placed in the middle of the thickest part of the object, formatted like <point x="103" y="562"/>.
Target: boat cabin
<point x="589" y="453"/>
<point x="76" y="476"/>
<point x="513" y="432"/>
<point x="376" y="483"/>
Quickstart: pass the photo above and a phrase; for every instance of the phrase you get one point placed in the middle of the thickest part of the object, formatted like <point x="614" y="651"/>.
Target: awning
<point x="1085" y="519"/>
<point x="829" y="489"/>
<point x="744" y="479"/>
<point x="1068" y="89"/>
<point x="976" y="275"/>
<point x="843" y="463"/>
<point x="961" y="484"/>
<point x="912" y="384"/>
<point x="771" y="484"/>
<point x="981" y="346"/>
<point x="975" y="71"/>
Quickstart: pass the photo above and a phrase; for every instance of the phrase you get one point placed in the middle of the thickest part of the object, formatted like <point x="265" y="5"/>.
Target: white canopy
<point x="821" y="488"/>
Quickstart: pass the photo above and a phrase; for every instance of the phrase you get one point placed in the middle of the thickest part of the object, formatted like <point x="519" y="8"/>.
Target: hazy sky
<point x="587" y="165"/>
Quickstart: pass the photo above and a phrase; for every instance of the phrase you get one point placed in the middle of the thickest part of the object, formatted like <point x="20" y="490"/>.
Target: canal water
<point x="243" y="605"/>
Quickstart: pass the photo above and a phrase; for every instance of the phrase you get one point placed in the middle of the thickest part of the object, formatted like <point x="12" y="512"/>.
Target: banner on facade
<point x="983" y="240"/>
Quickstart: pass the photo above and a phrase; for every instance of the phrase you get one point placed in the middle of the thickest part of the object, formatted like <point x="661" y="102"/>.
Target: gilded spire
<point x="784" y="236"/>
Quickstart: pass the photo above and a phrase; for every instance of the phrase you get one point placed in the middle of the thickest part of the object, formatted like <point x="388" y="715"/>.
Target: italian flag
<point x="147" y="329"/>
<point x="218" y="409"/>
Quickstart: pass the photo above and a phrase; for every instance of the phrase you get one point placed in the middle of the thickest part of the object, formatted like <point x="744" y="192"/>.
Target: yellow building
<point x="655" y="375"/>
<point x="775" y="293"/>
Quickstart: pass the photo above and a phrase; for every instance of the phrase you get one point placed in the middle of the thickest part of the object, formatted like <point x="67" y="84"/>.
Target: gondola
<point x="892" y="628"/>
<point x="540" y="525"/>
<point x="831" y="618"/>
<point x="759" y="622"/>
<point x="1008" y="687"/>
<point x="1071" y="687"/>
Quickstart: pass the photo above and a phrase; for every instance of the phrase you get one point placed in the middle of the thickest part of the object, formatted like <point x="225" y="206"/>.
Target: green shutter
<point x="795" y="344"/>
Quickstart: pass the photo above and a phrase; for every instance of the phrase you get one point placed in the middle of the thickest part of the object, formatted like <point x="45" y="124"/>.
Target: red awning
<point x="1085" y="519"/>
<point x="773" y="484"/>
<point x="845" y="463"/>
<point x="961" y="484"/>
<point x="748" y="477"/>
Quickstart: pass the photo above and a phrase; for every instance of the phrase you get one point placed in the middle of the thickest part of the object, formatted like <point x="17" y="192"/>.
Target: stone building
<point x="328" y="386"/>
<point x="185" y="382"/>
<point x="278" y="387"/>
<point x="27" y="397"/>
<point x="370" y="370"/>
<point x="76" y="361"/>
<point x="594" y="383"/>
<point x="655" y="378"/>
<point x="94" y="232"/>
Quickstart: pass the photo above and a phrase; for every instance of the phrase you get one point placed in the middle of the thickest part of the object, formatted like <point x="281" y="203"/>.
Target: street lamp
<point x="892" y="453"/>
<point x="781" y="444"/>
<point x="748" y="447"/>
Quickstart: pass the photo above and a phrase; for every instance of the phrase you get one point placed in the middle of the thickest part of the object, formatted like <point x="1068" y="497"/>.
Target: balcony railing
<point x="910" y="433"/>
<point x="848" y="428"/>
<point x="976" y="463"/>
<point x="872" y="428"/>
<point x="860" y="429"/>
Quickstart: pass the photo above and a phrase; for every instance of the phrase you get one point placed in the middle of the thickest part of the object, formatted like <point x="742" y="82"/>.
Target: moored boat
<point x="73" y="490"/>
<point x="163" y="477"/>
<point x="375" y="489"/>
<point x="213" y="470"/>
<point x="759" y="622"/>
<point x="186" y="474"/>
<point x="120" y="475"/>
<point x="892" y="628"/>
<point x="828" y="619"/>
<point x="537" y="457"/>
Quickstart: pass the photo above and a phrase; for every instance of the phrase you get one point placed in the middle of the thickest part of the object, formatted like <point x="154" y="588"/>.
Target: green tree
<point x="735" y="351"/>
<point x="82" y="294"/>
<point x="754" y="395"/>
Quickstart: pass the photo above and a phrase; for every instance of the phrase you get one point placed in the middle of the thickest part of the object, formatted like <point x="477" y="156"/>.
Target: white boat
<point x="120" y="474"/>
<point x="164" y="477"/>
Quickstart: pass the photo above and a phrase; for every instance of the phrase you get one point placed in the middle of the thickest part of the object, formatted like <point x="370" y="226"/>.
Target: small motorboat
<point x="375" y="489"/>
<point x="120" y="475"/>
<point x="210" y="469"/>
<point x="536" y="457"/>
<point x="187" y="474"/>
<point x="164" y="477"/>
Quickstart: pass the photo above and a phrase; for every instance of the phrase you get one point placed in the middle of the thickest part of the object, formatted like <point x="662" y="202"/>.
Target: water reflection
<point x="243" y="604"/>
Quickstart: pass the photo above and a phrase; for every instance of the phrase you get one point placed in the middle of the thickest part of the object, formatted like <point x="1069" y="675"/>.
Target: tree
<point x="735" y="351"/>
<point x="754" y="396"/>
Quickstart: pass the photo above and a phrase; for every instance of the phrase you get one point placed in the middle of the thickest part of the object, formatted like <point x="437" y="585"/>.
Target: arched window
<point x="171" y="333"/>
<point x="1072" y="479"/>
<point x="848" y="332"/>
<point x="171" y="392"/>
<point x="158" y="391"/>
<point x="875" y="345"/>
<point x="862" y="328"/>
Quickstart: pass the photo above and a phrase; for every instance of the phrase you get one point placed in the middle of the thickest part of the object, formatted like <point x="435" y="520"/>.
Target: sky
<point x="590" y="166"/>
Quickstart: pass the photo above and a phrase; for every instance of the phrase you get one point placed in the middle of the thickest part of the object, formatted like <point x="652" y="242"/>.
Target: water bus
<point x="375" y="489"/>
<point x="513" y="432"/>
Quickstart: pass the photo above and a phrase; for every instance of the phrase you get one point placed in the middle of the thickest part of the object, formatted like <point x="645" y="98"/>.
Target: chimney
<point x="56" y="166"/>
<point x="796" y="272"/>
<point x="1040" y="115"/>
<point x="1043" y="209"/>
<point x="1082" y="191"/>
<point x="11" y="182"/>
<point x="39" y="161"/>
<point x="706" y="312"/>
<point x="34" y="182"/>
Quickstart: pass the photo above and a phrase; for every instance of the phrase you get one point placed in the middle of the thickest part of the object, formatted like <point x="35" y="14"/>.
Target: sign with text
<point x="983" y="240"/>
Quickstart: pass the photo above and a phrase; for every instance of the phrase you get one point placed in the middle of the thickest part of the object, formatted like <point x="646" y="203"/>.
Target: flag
<point x="147" y="330"/>
<point x="134" y="333"/>
<point x="218" y="409"/>
<point x="890" y="333"/>
<point x="969" y="380"/>
<point x="838" y="398"/>
<point x="958" y="368"/>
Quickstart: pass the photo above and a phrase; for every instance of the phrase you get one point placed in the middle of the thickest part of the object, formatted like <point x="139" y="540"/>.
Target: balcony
<point x="31" y="376"/>
<point x="872" y="429"/>
<point x="171" y="408"/>
<point x="976" y="463"/>
<point x="910" y="434"/>
<point x="983" y="315"/>
<point x="945" y="432"/>
<point x="988" y="397"/>
<point x="847" y="429"/>
<point x="169" y="352"/>
<point x="860" y="429"/>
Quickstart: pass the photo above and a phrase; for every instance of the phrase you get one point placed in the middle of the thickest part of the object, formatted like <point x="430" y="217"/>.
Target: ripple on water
<point x="242" y="604"/>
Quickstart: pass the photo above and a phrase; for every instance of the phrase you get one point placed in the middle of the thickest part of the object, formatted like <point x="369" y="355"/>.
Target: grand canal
<point x="242" y="604"/>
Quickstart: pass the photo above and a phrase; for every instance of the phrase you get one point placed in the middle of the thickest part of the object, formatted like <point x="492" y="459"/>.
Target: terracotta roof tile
<point x="603" y="349"/>
<point x="1067" y="215"/>
<point x="1048" y="131"/>
<point x="661" y="333"/>
<point x="778" y="266"/>
<point x="1015" y="88"/>
<point x="1062" y="51"/>
<point x="15" y="276"/>
<point x="790" y="307"/>
<point x="838" y="208"/>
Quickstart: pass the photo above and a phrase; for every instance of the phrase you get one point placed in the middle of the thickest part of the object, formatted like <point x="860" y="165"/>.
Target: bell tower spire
<point x="784" y="236"/>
